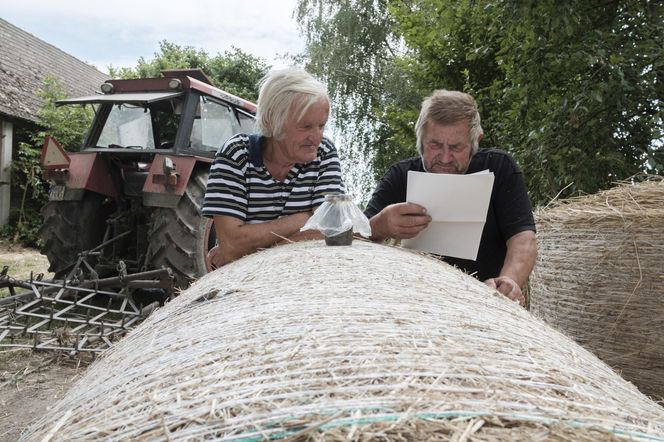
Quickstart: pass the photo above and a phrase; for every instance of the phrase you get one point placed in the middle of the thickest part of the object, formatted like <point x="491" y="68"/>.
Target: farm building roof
<point x="25" y="61"/>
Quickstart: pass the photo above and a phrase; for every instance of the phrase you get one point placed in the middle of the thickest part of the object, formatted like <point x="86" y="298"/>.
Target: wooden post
<point x="6" y="143"/>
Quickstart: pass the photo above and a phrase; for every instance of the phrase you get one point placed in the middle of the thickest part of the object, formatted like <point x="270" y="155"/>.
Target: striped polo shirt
<point x="239" y="185"/>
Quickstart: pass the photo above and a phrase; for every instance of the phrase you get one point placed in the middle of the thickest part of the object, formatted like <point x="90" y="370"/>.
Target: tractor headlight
<point x="107" y="88"/>
<point x="174" y="83"/>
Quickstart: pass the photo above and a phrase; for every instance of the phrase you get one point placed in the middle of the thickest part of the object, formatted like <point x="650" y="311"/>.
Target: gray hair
<point x="450" y="107"/>
<point x="282" y="92"/>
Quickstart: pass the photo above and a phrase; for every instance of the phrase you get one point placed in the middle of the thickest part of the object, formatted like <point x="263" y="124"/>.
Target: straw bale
<point x="367" y="342"/>
<point x="599" y="277"/>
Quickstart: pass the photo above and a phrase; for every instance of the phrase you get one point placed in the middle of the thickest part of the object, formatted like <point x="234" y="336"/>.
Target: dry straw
<point x="364" y="342"/>
<point x="599" y="277"/>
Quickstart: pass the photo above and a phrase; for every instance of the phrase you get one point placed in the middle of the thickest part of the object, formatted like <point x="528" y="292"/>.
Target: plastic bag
<point x="337" y="215"/>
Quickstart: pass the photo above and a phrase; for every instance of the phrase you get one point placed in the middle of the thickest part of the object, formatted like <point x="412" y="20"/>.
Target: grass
<point x="21" y="262"/>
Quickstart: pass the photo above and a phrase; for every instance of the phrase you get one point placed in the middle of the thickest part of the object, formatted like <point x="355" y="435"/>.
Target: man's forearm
<point x="399" y="221"/>
<point x="520" y="257"/>
<point x="239" y="239"/>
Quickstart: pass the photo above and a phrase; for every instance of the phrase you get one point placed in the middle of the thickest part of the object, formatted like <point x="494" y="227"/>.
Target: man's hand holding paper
<point x="457" y="205"/>
<point x="406" y="220"/>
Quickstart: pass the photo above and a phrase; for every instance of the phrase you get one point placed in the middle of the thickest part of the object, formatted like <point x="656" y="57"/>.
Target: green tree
<point x="582" y="86"/>
<point x="572" y="89"/>
<point x="233" y="71"/>
<point x="68" y="124"/>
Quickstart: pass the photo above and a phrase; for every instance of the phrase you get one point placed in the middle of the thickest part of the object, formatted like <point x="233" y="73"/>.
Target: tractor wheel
<point x="181" y="237"/>
<point x="69" y="228"/>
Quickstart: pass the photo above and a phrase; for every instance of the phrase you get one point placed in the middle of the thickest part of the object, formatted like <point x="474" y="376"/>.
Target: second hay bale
<point x="599" y="277"/>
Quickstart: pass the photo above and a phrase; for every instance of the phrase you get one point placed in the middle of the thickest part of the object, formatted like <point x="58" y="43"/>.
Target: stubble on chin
<point x="438" y="168"/>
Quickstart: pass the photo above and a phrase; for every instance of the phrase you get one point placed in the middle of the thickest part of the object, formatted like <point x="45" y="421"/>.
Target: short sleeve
<point x="226" y="191"/>
<point x="513" y="209"/>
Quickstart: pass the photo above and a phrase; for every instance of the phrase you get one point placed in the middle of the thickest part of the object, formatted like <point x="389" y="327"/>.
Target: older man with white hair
<point x="263" y="187"/>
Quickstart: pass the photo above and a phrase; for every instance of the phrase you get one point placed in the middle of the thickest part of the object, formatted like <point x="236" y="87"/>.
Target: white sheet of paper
<point x="458" y="206"/>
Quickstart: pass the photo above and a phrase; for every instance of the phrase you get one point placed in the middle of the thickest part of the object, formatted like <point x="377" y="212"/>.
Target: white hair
<point x="283" y="92"/>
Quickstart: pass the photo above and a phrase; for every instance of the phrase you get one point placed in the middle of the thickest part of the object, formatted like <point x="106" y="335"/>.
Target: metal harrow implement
<point x="76" y="314"/>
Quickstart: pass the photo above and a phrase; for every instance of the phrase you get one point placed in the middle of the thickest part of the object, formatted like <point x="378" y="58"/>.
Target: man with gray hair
<point x="263" y="187"/>
<point x="448" y="135"/>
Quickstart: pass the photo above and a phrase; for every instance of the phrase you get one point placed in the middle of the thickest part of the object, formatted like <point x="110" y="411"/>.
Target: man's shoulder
<point x="398" y="172"/>
<point x="492" y="159"/>
<point x="237" y="145"/>
<point x="327" y="145"/>
<point x="492" y="153"/>
<point x="326" y="149"/>
<point x="413" y="163"/>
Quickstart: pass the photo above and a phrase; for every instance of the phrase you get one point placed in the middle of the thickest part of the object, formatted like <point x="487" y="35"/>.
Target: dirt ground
<point x="30" y="382"/>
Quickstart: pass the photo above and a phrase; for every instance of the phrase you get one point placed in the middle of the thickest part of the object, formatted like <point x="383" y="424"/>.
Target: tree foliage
<point x="580" y="90"/>
<point x="572" y="89"/>
<point x="233" y="71"/>
<point x="68" y="124"/>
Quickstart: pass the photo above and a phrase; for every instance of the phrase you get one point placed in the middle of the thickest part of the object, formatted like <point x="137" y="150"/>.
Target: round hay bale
<point x="599" y="277"/>
<point x="367" y="342"/>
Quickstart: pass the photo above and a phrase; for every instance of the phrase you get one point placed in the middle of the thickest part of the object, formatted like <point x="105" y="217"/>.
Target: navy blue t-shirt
<point x="509" y="211"/>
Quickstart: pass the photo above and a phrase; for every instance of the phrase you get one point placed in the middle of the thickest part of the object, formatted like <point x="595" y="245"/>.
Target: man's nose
<point x="445" y="154"/>
<point x="316" y="134"/>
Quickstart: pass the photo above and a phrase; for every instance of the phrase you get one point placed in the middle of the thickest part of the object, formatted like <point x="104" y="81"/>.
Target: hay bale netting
<point x="363" y="342"/>
<point x="599" y="277"/>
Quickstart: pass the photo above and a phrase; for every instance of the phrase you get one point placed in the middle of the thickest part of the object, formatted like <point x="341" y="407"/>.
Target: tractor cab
<point x="180" y="113"/>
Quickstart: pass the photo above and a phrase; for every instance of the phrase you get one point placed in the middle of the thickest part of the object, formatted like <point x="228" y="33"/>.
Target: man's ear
<point x="480" y="137"/>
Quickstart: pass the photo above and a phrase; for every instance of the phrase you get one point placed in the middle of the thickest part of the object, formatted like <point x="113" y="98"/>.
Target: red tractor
<point x="133" y="193"/>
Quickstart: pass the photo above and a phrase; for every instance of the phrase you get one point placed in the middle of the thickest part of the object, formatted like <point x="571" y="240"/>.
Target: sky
<point x="119" y="32"/>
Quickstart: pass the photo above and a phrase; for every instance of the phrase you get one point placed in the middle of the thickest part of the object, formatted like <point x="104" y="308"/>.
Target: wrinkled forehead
<point x="459" y="129"/>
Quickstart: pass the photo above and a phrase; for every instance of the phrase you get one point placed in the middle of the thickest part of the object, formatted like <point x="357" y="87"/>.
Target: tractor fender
<point x="168" y="177"/>
<point x="86" y="171"/>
